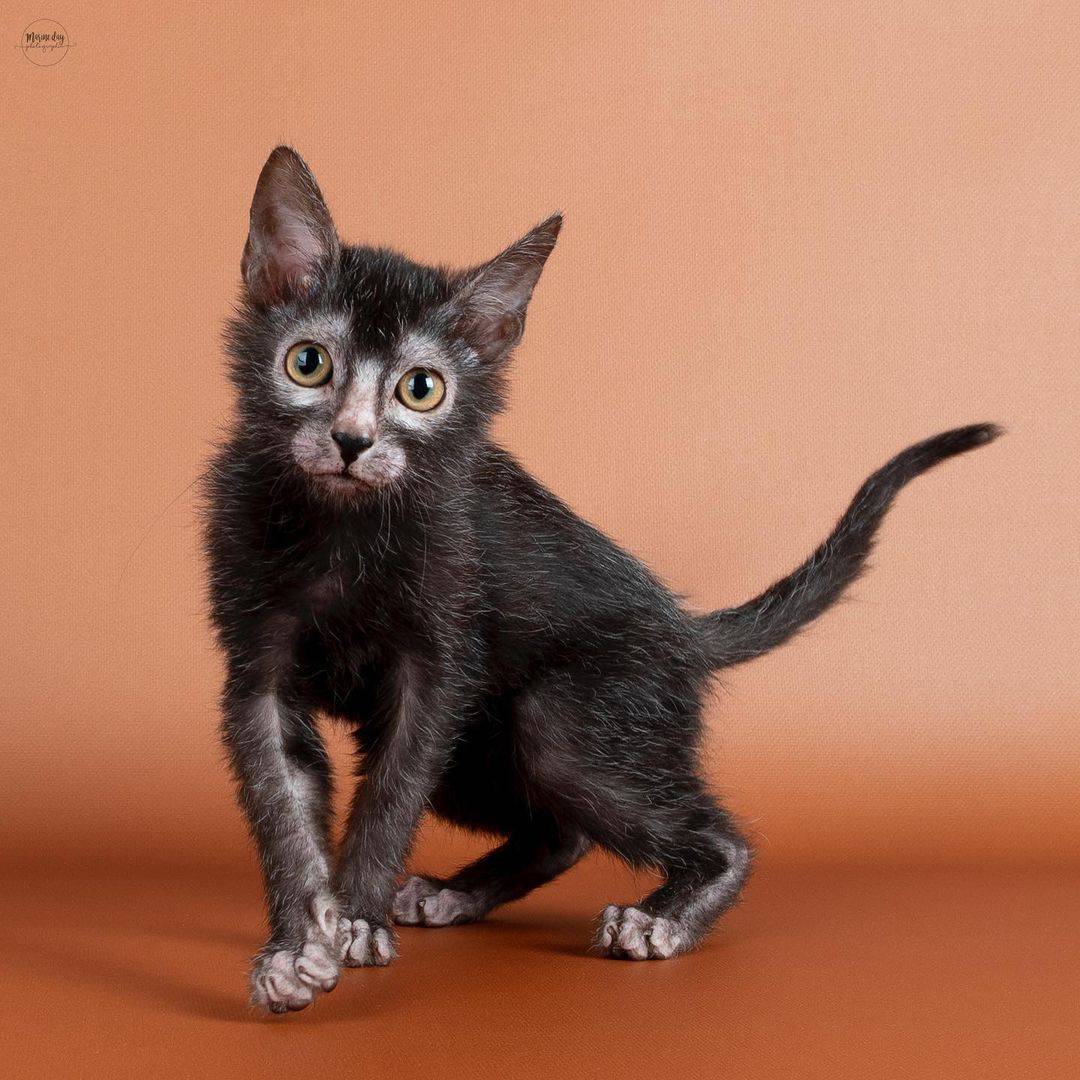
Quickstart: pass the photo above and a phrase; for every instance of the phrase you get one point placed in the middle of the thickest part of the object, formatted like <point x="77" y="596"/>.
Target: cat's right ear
<point x="292" y="244"/>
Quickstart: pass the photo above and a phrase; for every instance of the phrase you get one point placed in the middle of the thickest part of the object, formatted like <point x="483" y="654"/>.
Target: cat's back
<point x="547" y="566"/>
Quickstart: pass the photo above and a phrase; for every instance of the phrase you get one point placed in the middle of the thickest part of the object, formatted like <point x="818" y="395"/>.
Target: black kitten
<point x="376" y="559"/>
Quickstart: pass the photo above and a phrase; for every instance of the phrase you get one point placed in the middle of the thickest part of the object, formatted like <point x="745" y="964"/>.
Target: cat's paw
<point x="286" y="980"/>
<point x="406" y="908"/>
<point x="423" y="902"/>
<point x="364" y="943"/>
<point x="629" y="934"/>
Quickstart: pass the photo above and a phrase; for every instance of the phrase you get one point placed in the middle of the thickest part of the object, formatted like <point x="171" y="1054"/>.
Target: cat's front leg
<point x="284" y="781"/>
<point x="400" y="773"/>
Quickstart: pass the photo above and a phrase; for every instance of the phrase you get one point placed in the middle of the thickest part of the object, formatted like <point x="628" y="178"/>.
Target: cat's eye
<point x="421" y="389"/>
<point x="308" y="364"/>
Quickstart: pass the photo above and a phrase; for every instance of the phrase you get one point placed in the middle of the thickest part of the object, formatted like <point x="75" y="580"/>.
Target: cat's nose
<point x="351" y="445"/>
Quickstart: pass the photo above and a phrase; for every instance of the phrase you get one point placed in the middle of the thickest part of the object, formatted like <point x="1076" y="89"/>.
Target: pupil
<point x="308" y="361"/>
<point x="422" y="385"/>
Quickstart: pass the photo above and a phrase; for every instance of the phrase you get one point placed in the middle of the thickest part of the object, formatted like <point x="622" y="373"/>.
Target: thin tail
<point x="741" y="633"/>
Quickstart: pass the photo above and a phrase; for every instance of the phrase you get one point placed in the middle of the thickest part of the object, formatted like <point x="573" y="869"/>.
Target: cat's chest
<point x="339" y="631"/>
<point x="329" y="593"/>
<point x="338" y="597"/>
<point x="354" y="598"/>
<point x="357" y="604"/>
<point x="351" y="630"/>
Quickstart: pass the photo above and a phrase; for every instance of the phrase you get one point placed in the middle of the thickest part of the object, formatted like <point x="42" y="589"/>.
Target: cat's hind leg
<point x="704" y="879"/>
<point x="533" y="855"/>
<point x="617" y="757"/>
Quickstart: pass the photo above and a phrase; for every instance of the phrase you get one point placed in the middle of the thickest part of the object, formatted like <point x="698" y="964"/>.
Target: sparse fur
<point x="500" y="661"/>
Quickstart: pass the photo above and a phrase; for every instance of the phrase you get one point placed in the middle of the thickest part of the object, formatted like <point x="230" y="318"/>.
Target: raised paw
<point x="362" y="943"/>
<point x="423" y="902"/>
<point x="285" y="980"/>
<point x="628" y="933"/>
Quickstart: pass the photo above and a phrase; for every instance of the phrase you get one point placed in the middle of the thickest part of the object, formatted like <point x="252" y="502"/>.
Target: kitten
<point x="375" y="558"/>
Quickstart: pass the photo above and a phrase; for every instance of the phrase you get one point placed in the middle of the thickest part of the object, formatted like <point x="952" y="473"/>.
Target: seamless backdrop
<point x="798" y="238"/>
<point x="792" y="246"/>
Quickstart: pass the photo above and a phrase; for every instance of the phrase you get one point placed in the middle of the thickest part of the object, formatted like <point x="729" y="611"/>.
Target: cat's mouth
<point x="341" y="481"/>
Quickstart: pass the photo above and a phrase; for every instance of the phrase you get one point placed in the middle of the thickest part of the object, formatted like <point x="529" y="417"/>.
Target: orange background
<point x="797" y="239"/>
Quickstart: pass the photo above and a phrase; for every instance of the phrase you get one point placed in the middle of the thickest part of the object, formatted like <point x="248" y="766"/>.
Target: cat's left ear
<point x="488" y="309"/>
<point x="292" y="244"/>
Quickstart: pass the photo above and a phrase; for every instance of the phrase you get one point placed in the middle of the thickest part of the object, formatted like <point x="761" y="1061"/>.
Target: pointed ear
<point x="292" y="243"/>
<point x="488" y="310"/>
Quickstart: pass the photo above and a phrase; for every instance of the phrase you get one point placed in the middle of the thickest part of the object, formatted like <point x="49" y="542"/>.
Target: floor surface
<point x="819" y="973"/>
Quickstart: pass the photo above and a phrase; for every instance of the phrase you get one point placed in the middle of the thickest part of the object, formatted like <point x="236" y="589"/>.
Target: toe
<point x="447" y="907"/>
<point x="408" y="911"/>
<point x="631" y="938"/>
<point x="408" y="904"/>
<point x="357" y="949"/>
<point x="316" y="967"/>
<point x="664" y="939"/>
<point x="368" y="945"/>
<point x="382" y="947"/>
<point x="609" y="928"/>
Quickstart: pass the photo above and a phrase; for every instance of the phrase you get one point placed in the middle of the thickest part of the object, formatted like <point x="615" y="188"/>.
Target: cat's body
<point x="527" y="589"/>
<point x="376" y="559"/>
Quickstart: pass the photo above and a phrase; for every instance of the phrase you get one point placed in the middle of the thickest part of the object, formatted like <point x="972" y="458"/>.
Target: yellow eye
<point x="308" y="364"/>
<point x="421" y="389"/>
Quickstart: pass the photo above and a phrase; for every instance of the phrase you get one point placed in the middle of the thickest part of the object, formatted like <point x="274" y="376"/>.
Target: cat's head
<point x="356" y="367"/>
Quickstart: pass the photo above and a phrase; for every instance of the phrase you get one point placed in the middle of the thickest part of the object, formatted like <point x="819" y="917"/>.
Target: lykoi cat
<point x="375" y="559"/>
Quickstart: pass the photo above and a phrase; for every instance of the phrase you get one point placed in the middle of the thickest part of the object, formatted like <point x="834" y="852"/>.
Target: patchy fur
<point x="500" y="661"/>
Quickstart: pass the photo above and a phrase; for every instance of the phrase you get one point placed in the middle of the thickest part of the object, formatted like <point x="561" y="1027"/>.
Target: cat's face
<point x="358" y="407"/>
<point x="367" y="419"/>
<point x="358" y="368"/>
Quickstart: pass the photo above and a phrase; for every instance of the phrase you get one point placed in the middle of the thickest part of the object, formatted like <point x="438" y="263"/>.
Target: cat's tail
<point x="741" y="633"/>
